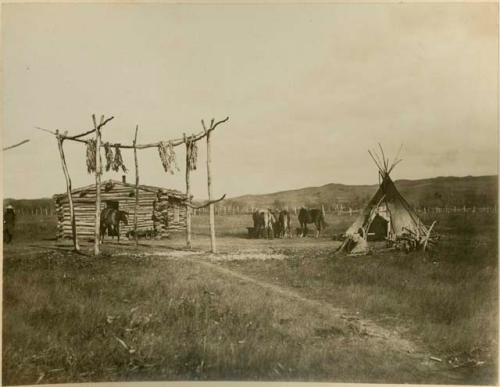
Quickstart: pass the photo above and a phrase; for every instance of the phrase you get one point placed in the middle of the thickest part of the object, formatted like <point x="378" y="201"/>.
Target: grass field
<point x="260" y="310"/>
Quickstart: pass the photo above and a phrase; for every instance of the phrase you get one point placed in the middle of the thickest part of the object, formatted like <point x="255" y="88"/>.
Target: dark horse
<point x="315" y="216"/>
<point x="110" y="221"/>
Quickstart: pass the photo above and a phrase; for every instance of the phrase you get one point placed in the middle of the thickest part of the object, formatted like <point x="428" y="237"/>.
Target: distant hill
<point x="479" y="191"/>
<point x="470" y="191"/>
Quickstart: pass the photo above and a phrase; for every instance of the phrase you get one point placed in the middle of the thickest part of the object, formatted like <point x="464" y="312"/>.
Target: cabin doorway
<point x="114" y="205"/>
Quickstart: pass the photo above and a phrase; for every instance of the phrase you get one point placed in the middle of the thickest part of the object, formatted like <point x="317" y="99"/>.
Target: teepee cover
<point x="388" y="203"/>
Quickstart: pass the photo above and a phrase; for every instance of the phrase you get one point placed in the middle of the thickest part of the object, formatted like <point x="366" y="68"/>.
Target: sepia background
<point x="247" y="292"/>
<point x="308" y="89"/>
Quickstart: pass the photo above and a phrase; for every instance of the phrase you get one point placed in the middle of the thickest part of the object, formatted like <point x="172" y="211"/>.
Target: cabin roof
<point x="116" y="183"/>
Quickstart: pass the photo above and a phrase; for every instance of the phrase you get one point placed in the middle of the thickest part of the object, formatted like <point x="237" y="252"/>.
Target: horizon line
<point x="291" y="189"/>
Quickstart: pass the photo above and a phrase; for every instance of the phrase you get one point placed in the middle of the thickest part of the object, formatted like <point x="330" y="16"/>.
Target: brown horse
<point x="314" y="216"/>
<point x="283" y="225"/>
<point x="263" y="223"/>
<point x="110" y="222"/>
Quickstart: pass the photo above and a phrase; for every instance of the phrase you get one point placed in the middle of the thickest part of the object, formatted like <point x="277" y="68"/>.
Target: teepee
<point x="387" y="216"/>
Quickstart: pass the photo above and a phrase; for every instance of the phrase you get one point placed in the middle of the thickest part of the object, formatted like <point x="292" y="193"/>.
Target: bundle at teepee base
<point x="192" y="157"/>
<point x="167" y="156"/>
<point x="91" y="146"/>
<point x="118" y="160"/>
<point x="109" y="156"/>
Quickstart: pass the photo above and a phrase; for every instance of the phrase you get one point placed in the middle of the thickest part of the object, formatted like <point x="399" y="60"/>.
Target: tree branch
<point x="90" y="131"/>
<point x="212" y="126"/>
<point x="77" y="136"/>
<point x="15" y="145"/>
<point x="46" y="130"/>
<point x="174" y="142"/>
<point x="206" y="204"/>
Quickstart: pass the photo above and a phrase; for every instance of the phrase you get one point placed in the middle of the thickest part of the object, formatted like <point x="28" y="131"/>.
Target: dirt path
<point x="361" y="330"/>
<point x="366" y="327"/>
<point x="372" y="333"/>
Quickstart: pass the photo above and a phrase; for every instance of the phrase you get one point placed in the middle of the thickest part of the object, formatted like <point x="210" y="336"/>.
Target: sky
<point x="308" y="90"/>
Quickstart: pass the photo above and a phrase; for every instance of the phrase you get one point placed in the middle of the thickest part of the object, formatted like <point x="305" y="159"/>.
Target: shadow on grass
<point x="66" y="249"/>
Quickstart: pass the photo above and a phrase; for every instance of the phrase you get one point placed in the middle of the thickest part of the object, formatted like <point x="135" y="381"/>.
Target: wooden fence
<point x="222" y="210"/>
<point x="455" y="209"/>
<point x="237" y="210"/>
<point x="36" y="211"/>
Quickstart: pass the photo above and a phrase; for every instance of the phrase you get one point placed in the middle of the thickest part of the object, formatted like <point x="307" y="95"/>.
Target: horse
<point x="314" y="216"/>
<point x="110" y="221"/>
<point x="263" y="220"/>
<point x="283" y="224"/>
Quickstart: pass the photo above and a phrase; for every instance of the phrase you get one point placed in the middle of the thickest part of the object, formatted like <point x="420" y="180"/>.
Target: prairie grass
<point x="70" y="318"/>
<point x="74" y="318"/>
<point x="447" y="299"/>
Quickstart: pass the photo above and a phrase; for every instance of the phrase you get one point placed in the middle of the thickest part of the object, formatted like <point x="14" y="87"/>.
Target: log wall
<point x="170" y="213"/>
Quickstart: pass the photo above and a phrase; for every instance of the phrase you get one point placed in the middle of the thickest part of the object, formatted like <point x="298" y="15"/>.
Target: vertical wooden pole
<point x="68" y="190"/>
<point x="213" y="245"/>
<point x="98" y="172"/>
<point x="136" y="188"/>
<point x="188" y="194"/>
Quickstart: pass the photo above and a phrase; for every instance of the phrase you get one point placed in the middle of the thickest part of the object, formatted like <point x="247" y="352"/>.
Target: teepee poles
<point x="397" y="154"/>
<point x="386" y="161"/>
<point x="394" y="164"/>
<point x="383" y="164"/>
<point x="375" y="161"/>
<point x="405" y="232"/>
<point x="397" y="160"/>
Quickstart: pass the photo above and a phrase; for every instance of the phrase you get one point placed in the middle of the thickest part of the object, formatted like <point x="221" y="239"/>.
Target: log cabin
<point x="167" y="206"/>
